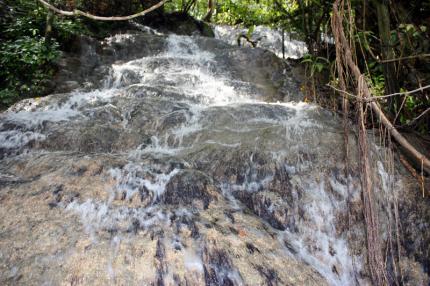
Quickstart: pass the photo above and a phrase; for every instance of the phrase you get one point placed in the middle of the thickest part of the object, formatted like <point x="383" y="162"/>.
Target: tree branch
<point x="418" y="117"/>
<point x="405" y="58"/>
<point x="373" y="98"/>
<point x="78" y="13"/>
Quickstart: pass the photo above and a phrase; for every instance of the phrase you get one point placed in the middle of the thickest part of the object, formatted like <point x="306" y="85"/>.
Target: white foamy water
<point x="316" y="241"/>
<point x="17" y="139"/>
<point x="33" y="119"/>
<point x="103" y="216"/>
<point x="182" y="67"/>
<point x="133" y="177"/>
<point x="313" y="236"/>
<point x="192" y="261"/>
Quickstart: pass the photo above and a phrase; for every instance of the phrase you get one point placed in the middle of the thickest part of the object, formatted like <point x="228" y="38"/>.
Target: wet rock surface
<point x="181" y="24"/>
<point x="264" y="37"/>
<point x="177" y="162"/>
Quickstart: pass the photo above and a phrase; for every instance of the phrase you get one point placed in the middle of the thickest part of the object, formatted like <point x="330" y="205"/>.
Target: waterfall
<point x="174" y="166"/>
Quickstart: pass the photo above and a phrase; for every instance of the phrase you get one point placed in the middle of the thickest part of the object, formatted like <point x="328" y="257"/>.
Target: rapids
<point x="177" y="160"/>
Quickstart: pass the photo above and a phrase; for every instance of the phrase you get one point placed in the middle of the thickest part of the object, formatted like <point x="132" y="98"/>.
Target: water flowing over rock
<point x="266" y="38"/>
<point x="177" y="160"/>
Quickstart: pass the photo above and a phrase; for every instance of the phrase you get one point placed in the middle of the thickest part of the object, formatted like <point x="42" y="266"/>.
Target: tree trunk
<point x="211" y="10"/>
<point x="391" y="85"/>
<point x="283" y="43"/>
<point x="305" y="26"/>
<point x="48" y="28"/>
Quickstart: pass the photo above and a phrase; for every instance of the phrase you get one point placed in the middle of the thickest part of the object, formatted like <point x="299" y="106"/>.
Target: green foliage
<point x="247" y="12"/>
<point x="410" y="39"/>
<point x="66" y="29"/>
<point x="377" y="84"/>
<point x="315" y="64"/>
<point x="8" y="96"/>
<point x="413" y="106"/>
<point x="25" y="62"/>
<point x="26" y="58"/>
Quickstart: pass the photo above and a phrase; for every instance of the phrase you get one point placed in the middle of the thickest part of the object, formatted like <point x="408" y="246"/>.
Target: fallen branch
<point x="77" y="13"/>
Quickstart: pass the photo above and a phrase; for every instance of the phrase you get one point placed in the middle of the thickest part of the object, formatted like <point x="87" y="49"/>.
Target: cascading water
<point x="267" y="38"/>
<point x="179" y="168"/>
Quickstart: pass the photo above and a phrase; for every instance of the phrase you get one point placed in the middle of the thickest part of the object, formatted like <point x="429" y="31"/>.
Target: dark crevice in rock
<point x="218" y="268"/>
<point x="269" y="274"/>
<point x="188" y="186"/>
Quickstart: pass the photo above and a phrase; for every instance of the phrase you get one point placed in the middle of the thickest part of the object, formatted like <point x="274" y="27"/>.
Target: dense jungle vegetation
<point x="390" y="41"/>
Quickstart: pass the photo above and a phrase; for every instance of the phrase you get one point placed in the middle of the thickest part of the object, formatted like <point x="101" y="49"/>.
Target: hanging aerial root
<point x="77" y="13"/>
<point x="344" y="59"/>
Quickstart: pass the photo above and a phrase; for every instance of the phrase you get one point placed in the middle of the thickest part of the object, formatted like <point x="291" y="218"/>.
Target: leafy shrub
<point x="315" y="64"/>
<point x="26" y="57"/>
<point x="26" y="63"/>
